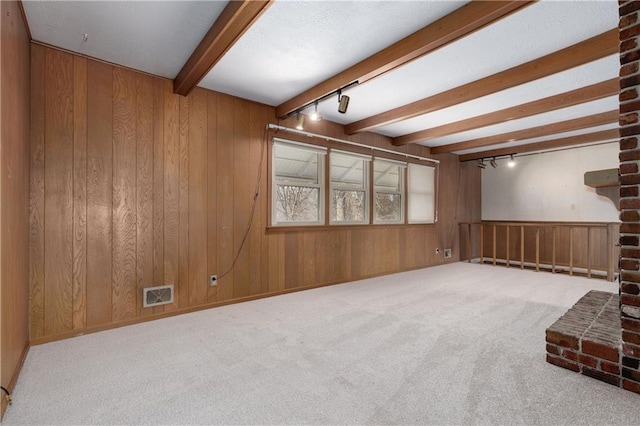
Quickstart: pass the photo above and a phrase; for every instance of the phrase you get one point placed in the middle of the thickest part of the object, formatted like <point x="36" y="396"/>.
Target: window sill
<point x="307" y="228"/>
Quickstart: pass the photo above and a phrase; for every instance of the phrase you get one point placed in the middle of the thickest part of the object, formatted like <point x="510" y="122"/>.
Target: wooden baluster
<point x="553" y="251"/>
<point x="537" y="249"/>
<point x="481" y="243"/>
<point x="521" y="246"/>
<point x="468" y="243"/>
<point x="508" y="246"/>
<point x="588" y="252"/>
<point x="571" y="250"/>
<point x="494" y="245"/>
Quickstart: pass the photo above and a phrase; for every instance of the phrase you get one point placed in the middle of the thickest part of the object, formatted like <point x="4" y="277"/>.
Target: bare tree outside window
<point x="296" y="204"/>
<point x="388" y="207"/>
<point x="348" y="206"/>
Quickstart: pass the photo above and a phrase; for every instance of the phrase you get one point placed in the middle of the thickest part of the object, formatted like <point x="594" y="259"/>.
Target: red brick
<point x="630" y="324"/>
<point x="630" y="288"/>
<point x="629" y="337"/>
<point x="630" y="374"/>
<point x="632" y="130"/>
<point x="608" y="367"/>
<point x="629" y="228"/>
<point x="563" y="363"/>
<point x="629" y="8"/>
<point x="630" y="265"/>
<point x="553" y="349"/>
<point x="628" y="168"/>
<point x="570" y="355"/>
<point x="629" y="32"/>
<point x="631" y="362"/>
<point x="630" y="276"/>
<point x="600" y="350"/>
<point x="630" y="179"/>
<point x="602" y="376"/>
<point x="628" y="143"/>
<point x="628" y="299"/>
<point x="562" y="339"/>
<point x="629" y="81"/>
<point x="587" y="360"/>
<point x="627" y="20"/>
<point x="630" y="118"/>
<point x="629" y="240"/>
<point x="629" y="156"/>
<point x="631" y="350"/>
<point x="625" y="46"/>
<point x="631" y="386"/>
<point x="629" y="191"/>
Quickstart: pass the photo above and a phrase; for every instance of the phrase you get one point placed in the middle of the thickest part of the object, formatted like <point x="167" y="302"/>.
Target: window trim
<point x="402" y="192"/>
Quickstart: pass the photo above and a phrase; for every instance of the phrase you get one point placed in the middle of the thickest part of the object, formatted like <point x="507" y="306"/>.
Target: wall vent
<point x="156" y="296"/>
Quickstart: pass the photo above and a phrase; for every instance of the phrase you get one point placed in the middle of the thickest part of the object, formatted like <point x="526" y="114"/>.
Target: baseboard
<point x="14" y="378"/>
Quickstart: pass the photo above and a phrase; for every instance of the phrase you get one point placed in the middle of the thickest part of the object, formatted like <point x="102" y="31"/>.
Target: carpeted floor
<point x="455" y="344"/>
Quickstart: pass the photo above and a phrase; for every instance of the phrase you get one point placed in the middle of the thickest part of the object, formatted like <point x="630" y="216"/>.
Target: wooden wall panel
<point x="14" y="194"/>
<point x="169" y="192"/>
<point x="99" y="192"/>
<point x="58" y="201"/>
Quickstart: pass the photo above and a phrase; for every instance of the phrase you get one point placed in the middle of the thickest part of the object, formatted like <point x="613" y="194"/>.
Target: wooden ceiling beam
<point x="601" y="136"/>
<point x="581" y="53"/>
<point x="235" y="19"/>
<point x="463" y="21"/>
<point x="552" y="103"/>
<point x="594" y="120"/>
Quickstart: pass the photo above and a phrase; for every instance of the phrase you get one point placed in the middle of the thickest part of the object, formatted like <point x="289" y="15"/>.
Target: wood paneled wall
<point x="14" y="189"/>
<point x="133" y="186"/>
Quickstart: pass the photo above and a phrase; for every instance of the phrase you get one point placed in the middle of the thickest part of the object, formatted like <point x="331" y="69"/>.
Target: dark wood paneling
<point x="170" y="186"/>
<point x="14" y="194"/>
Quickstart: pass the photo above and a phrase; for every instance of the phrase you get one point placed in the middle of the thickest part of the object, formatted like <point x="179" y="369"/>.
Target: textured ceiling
<point x="296" y="45"/>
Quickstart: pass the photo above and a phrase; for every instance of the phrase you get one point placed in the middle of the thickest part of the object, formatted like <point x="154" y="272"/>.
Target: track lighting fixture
<point x="512" y="162"/>
<point x="343" y="102"/>
<point x="315" y="115"/>
<point x="481" y="164"/>
<point x="299" y="121"/>
<point x="493" y="162"/>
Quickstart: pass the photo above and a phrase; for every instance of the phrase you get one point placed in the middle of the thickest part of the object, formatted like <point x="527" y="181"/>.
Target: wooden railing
<point x="575" y="247"/>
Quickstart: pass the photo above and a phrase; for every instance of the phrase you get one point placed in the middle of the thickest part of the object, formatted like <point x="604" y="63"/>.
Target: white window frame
<point x="366" y="187"/>
<point x="402" y="191"/>
<point x="321" y="152"/>
<point x="421" y="194"/>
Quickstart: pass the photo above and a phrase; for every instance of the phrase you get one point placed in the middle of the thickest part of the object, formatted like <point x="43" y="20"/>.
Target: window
<point x="349" y="187"/>
<point x="297" y="190"/>
<point x="388" y="187"/>
<point x="421" y="194"/>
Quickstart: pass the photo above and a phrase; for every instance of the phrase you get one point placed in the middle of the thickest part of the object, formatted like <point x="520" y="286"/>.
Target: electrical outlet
<point x="437" y="251"/>
<point x="213" y="281"/>
<point x="447" y="253"/>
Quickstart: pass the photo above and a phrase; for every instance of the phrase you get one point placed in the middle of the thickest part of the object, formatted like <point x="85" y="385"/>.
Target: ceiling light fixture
<point x="481" y="163"/>
<point x="315" y="115"/>
<point x="299" y="121"/>
<point x="493" y="162"/>
<point x="512" y="162"/>
<point x="343" y="102"/>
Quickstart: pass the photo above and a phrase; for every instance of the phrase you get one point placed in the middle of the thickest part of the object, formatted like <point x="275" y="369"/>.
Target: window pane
<point x="348" y="171"/>
<point x="387" y="176"/>
<point x="297" y="204"/>
<point x="296" y="165"/>
<point x="347" y="206"/>
<point x="388" y="207"/>
<point x="420" y="190"/>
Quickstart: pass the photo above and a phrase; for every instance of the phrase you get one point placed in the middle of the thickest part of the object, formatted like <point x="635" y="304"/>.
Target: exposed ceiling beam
<point x="581" y="53"/>
<point x="235" y="19"/>
<point x="546" y="145"/>
<point x="562" y="100"/>
<point x="533" y="132"/>
<point x="461" y="22"/>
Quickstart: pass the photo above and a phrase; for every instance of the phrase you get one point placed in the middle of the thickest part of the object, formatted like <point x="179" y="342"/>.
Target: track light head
<point x="315" y="115"/>
<point x="343" y="102"/>
<point x="299" y="121"/>
<point x="493" y="162"/>
<point x="481" y="164"/>
<point x="512" y="162"/>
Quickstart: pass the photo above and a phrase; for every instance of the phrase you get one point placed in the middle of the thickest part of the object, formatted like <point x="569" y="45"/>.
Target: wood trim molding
<point x="581" y="53"/>
<point x="24" y="18"/>
<point x="14" y="378"/>
<point x="550" y="144"/>
<point x="463" y="21"/>
<point x="552" y="103"/>
<point x="533" y="132"/>
<point x="236" y="18"/>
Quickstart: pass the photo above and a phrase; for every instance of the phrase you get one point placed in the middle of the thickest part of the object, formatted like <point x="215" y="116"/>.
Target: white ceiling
<point x="295" y="45"/>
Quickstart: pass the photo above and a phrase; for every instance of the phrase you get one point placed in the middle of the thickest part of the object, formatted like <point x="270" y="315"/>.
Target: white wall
<point x="549" y="187"/>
